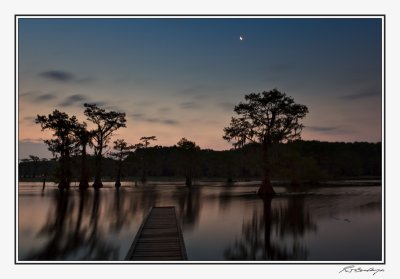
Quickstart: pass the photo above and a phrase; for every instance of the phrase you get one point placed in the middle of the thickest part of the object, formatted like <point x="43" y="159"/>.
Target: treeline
<point x="265" y="135"/>
<point x="299" y="161"/>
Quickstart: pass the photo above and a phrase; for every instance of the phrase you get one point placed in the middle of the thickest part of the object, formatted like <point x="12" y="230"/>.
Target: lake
<point x="219" y="222"/>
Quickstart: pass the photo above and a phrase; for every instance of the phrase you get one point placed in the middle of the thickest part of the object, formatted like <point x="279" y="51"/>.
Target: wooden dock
<point x="159" y="238"/>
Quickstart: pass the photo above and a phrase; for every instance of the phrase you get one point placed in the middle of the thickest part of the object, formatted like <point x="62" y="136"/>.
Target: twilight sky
<point x="182" y="77"/>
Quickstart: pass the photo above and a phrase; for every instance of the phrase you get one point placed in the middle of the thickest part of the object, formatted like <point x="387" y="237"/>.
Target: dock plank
<point x="159" y="238"/>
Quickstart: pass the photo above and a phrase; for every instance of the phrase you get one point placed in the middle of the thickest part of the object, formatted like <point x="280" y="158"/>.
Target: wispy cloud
<point x="85" y="80"/>
<point x="137" y="115"/>
<point x="45" y="97"/>
<point x="368" y="93"/>
<point x="73" y="99"/>
<point x="170" y="122"/>
<point x="106" y="106"/>
<point x="146" y="104"/>
<point x="151" y="120"/>
<point x="38" y="96"/>
<point x="190" y="105"/>
<point x="100" y="104"/>
<point x="64" y="76"/>
<point x="29" y="119"/>
<point x="57" y="75"/>
<point x="29" y="93"/>
<point x="164" y="109"/>
<point x="143" y="118"/>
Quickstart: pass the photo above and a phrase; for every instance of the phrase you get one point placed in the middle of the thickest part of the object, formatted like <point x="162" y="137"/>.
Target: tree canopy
<point x="122" y="150"/>
<point x="146" y="140"/>
<point x="187" y="145"/>
<point x="266" y="118"/>
<point x="64" y="142"/>
<point x="188" y="153"/>
<point x="106" y="123"/>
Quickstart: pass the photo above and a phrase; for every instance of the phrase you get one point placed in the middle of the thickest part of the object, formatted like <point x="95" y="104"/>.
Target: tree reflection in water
<point x="118" y="218"/>
<point x="68" y="236"/>
<point x="91" y="225"/>
<point x="189" y="206"/>
<point x="274" y="233"/>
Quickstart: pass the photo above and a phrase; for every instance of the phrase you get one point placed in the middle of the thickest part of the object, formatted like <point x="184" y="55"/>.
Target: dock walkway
<point x="159" y="238"/>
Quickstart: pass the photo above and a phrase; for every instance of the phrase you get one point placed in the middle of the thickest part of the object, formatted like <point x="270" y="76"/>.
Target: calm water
<point x="218" y="222"/>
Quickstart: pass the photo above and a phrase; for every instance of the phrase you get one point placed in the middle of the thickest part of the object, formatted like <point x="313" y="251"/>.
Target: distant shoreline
<point x="159" y="181"/>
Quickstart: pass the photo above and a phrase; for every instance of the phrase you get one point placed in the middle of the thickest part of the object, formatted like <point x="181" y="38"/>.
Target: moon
<point x="241" y="38"/>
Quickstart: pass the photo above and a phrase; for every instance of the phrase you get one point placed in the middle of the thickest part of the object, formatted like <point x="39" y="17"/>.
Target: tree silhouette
<point x="122" y="151"/>
<point x="188" y="150"/>
<point x="45" y="170"/>
<point x="146" y="140"/>
<point x="24" y="167"/>
<point x="106" y="123"/>
<point x="266" y="118"/>
<point x="35" y="160"/>
<point x="145" y="144"/>
<point x="301" y="170"/>
<point x="64" y="143"/>
<point x="84" y="138"/>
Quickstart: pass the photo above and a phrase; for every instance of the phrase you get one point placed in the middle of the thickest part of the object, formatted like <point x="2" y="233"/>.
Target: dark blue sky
<point x="181" y="77"/>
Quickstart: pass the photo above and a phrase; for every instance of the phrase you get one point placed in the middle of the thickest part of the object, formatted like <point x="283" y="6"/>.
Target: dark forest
<point x="295" y="162"/>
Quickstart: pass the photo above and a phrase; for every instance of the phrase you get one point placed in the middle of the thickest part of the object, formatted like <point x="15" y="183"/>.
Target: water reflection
<point x="119" y="215"/>
<point x="188" y="206"/>
<point x="54" y="230"/>
<point x="69" y="236"/>
<point x="274" y="233"/>
<point x="218" y="223"/>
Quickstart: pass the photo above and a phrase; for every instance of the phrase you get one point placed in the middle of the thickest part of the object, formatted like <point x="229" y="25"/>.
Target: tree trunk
<point x="97" y="179"/>
<point x="64" y="168"/>
<point x="266" y="186"/>
<point x="84" y="181"/>
<point x="118" y="180"/>
<point x="62" y="185"/>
